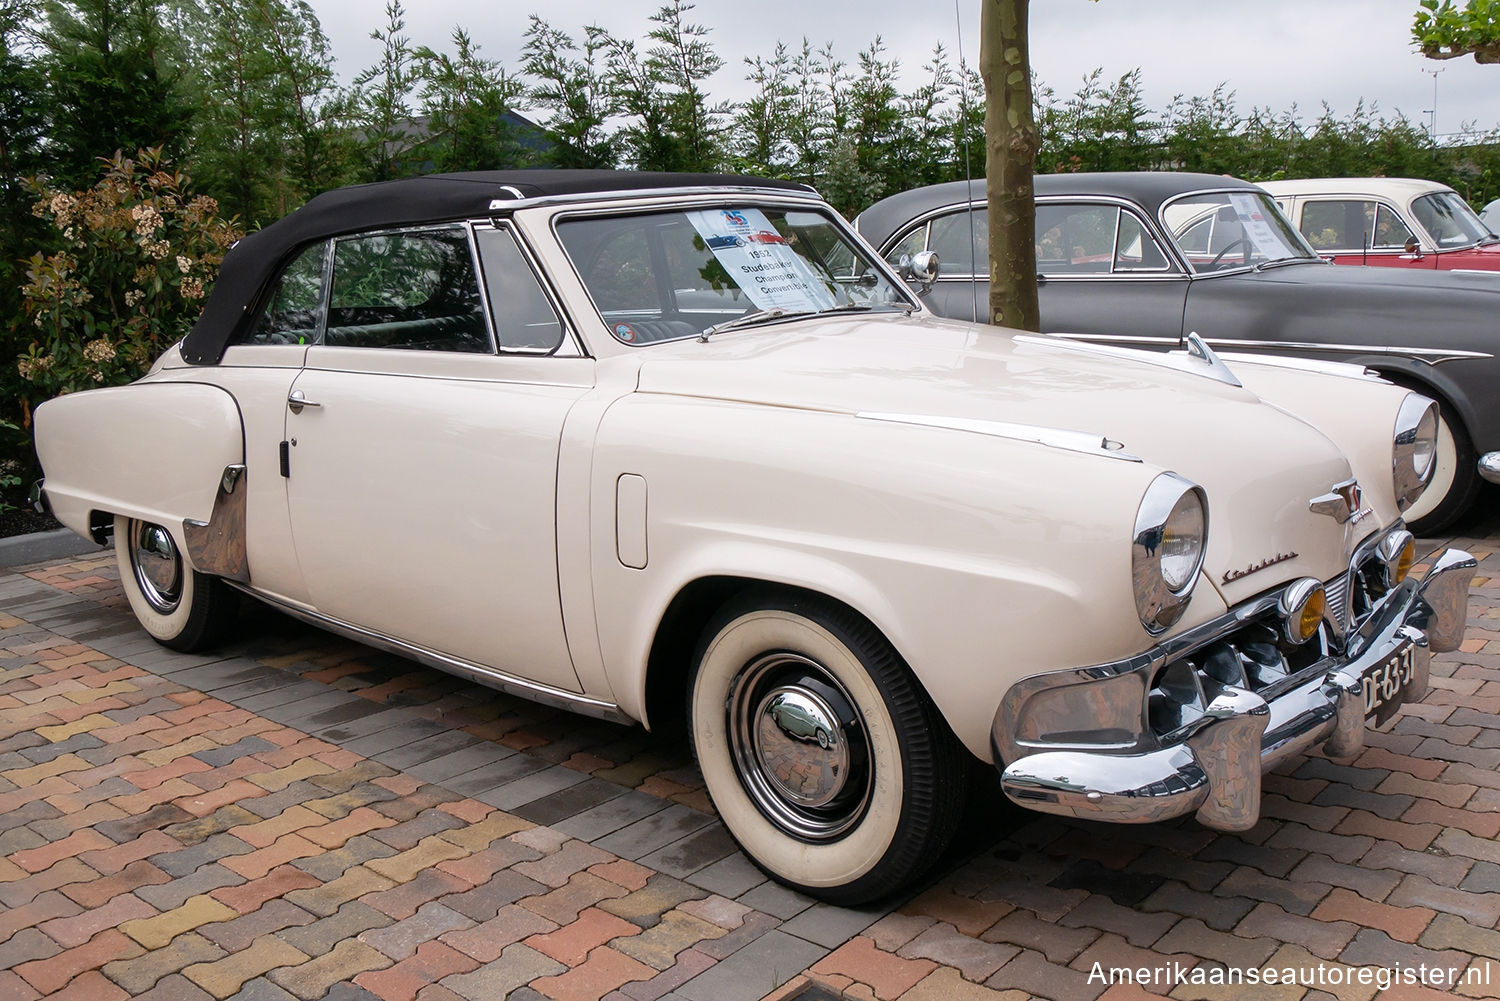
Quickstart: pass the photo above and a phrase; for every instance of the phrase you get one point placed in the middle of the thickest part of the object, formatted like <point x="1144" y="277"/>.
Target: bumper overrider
<point x="1077" y="745"/>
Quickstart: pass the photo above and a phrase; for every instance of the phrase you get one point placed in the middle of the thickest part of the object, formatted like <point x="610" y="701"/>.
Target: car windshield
<point x="1225" y="230"/>
<point x="1449" y="220"/>
<point x="659" y="276"/>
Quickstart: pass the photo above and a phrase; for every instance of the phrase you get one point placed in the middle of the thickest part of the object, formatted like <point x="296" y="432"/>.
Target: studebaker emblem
<point x="1271" y="561"/>
<point x="1341" y="504"/>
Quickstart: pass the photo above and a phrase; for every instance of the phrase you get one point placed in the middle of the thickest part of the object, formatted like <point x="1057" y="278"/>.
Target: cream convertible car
<point x="647" y="446"/>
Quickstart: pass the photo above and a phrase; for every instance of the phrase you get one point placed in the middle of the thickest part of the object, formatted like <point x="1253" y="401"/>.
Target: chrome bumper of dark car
<point x="1489" y="466"/>
<point x="1214" y="765"/>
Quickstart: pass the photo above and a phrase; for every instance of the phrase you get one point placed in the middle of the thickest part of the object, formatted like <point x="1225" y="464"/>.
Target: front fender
<point x="981" y="560"/>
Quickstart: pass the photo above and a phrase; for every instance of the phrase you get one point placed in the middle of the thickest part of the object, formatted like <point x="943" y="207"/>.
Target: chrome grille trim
<point x="1338" y="601"/>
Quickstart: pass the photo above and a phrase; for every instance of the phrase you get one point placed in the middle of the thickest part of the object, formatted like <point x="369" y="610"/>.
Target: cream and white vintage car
<point x="652" y="447"/>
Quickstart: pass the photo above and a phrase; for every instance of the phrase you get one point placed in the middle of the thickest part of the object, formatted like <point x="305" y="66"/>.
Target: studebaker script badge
<point x="1271" y="561"/>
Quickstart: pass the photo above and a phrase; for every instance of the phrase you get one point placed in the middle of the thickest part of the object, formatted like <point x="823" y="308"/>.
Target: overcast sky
<point x="1272" y="53"/>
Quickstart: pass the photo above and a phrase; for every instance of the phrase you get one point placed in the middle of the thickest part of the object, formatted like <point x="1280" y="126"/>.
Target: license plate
<point x="1386" y="686"/>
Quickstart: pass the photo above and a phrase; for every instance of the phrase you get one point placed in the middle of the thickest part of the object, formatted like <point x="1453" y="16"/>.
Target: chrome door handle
<point x="295" y="401"/>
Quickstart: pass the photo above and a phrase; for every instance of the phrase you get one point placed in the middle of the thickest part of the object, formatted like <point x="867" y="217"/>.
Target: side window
<point x="1135" y="250"/>
<point x="912" y="243"/>
<point x="1390" y="232"/>
<point x="1075" y="239"/>
<point x="1342" y="224"/>
<point x="962" y="242"/>
<point x="414" y="290"/>
<point x="294" y="311"/>
<point x="524" y="318"/>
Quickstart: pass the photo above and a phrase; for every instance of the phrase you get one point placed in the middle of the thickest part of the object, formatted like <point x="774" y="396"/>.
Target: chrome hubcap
<point x="158" y="567"/>
<point x="800" y="746"/>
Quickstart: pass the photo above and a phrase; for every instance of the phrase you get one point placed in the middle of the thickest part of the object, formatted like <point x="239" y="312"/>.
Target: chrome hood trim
<point x="1072" y="441"/>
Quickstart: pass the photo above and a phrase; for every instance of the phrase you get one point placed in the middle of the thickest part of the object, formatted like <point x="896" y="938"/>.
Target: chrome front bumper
<point x="1215" y="768"/>
<point x="1489" y="466"/>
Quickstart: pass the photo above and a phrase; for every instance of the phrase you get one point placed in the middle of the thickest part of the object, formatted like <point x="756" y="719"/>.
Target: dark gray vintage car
<point x="1144" y="259"/>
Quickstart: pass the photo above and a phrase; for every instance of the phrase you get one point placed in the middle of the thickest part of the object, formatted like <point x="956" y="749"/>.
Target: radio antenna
<point x="963" y="118"/>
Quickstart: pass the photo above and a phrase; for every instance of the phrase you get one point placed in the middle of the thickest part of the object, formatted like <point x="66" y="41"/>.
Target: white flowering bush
<point x="139" y="253"/>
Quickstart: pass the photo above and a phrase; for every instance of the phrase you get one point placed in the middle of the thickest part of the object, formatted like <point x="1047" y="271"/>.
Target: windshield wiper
<point x="867" y="307"/>
<point x="750" y="319"/>
<point x="1281" y="262"/>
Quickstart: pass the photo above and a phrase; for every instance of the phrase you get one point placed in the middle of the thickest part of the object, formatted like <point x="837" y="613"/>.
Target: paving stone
<point x="53" y="973"/>
<point x="349" y="921"/>
<point x="329" y="865"/>
<point x="689" y="965"/>
<point x="243" y="748"/>
<point x="328" y="898"/>
<point x="1056" y="943"/>
<point x="1484" y="877"/>
<point x="604" y="971"/>
<point x="563" y="904"/>
<point x="517" y="966"/>
<point x="197" y="831"/>
<point x="1324" y="938"/>
<point x="460" y="762"/>
<point x="486" y="941"/>
<point x="753" y="927"/>
<point x="522" y="780"/>
<point x="440" y="744"/>
<point x="645" y="906"/>
<point x="171" y="895"/>
<point x="1295" y="896"/>
<point x="688" y="855"/>
<point x="144" y="972"/>
<point x="654" y="832"/>
<point x="226" y="976"/>
<point x="313" y="979"/>
<point x="432" y="962"/>
<point x="1372" y="947"/>
<point x="830" y="926"/>
<point x="755" y="970"/>
<point x="615" y="814"/>
<point x="1139" y="928"/>
<point x="154" y="819"/>
<point x="1030" y="972"/>
<point x="1404" y="923"/>
<point x="401" y="939"/>
<point x="730" y="877"/>
<point x="1482" y="909"/>
<point x="175" y="987"/>
<point x="572" y="801"/>
<point x="485" y="901"/>
<point x="272" y="916"/>
<point x="404" y="899"/>
<point x="1220" y="913"/>
<point x="974" y="958"/>
<point x="571" y="944"/>
<point x="777" y="900"/>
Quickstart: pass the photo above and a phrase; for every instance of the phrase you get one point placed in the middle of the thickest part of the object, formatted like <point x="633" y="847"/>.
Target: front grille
<point x="1254" y="656"/>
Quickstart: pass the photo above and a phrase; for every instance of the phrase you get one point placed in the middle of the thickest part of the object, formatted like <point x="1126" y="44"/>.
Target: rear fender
<point x="155" y="451"/>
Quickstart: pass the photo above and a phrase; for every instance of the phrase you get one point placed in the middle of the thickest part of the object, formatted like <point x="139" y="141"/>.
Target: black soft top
<point x="431" y="198"/>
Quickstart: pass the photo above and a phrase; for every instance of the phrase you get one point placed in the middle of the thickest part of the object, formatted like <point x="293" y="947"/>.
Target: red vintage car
<point x="1388" y="222"/>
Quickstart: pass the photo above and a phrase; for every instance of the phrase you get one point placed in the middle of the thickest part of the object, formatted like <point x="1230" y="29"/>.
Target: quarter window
<point x="524" y="318"/>
<point x="294" y="311"/>
<point x="414" y="290"/>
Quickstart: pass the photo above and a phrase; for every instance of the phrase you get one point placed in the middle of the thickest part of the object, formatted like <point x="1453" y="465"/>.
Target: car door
<point x="1365" y="231"/>
<point x="1102" y="272"/>
<point x="421" y="461"/>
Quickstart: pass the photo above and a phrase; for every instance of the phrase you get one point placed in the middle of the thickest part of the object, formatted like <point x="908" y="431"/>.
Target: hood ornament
<point x="1342" y="504"/>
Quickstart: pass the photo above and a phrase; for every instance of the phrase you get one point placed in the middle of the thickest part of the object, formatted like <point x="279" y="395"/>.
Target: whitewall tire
<point x="826" y="760"/>
<point x="179" y="607"/>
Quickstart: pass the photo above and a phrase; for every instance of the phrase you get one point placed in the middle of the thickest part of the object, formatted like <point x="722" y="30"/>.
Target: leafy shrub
<point x="139" y="254"/>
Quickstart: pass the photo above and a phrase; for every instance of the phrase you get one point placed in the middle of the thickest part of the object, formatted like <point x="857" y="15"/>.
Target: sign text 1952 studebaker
<point x="647" y="446"/>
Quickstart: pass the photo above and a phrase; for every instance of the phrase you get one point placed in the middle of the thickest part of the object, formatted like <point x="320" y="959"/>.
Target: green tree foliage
<point x="383" y="111"/>
<point x="571" y="88"/>
<point x="465" y="99"/>
<point x="113" y="80"/>
<point x="139" y="253"/>
<point x="1445" y="31"/>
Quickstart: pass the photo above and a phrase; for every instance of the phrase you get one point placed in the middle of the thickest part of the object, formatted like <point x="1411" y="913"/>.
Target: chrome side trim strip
<point x="217" y="546"/>
<point x="1432" y="356"/>
<point x="1116" y="339"/>
<point x="503" y="206"/>
<point x="1072" y="441"/>
<point x="532" y="691"/>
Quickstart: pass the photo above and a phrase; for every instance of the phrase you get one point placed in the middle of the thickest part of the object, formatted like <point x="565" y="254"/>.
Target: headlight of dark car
<point x="1414" y="448"/>
<point x="1166" y="551"/>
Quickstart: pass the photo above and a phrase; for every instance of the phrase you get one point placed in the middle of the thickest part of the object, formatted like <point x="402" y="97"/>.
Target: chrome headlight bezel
<point x="1413" y="440"/>
<point x="1157" y="602"/>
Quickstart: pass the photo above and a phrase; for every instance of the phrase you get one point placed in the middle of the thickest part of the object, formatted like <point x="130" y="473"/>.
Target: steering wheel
<point x="1242" y="241"/>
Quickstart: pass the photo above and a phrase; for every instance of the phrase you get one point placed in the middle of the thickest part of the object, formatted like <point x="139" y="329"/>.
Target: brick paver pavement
<point x="297" y="816"/>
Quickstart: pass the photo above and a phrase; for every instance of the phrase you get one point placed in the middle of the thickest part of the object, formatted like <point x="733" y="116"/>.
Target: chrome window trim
<point x="505" y="206"/>
<point x="711" y="199"/>
<point x="570" y="346"/>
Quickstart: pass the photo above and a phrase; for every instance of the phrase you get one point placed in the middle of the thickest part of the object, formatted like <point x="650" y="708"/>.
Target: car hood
<point x="1259" y="466"/>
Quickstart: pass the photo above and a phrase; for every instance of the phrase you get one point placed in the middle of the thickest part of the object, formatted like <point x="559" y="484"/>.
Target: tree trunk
<point x="1010" y="144"/>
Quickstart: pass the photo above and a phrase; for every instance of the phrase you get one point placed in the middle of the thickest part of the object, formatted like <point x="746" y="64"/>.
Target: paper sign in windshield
<point x="758" y="259"/>
<point x="1257" y="227"/>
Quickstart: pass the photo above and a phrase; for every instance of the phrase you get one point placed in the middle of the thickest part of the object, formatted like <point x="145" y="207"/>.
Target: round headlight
<point x="1413" y="448"/>
<point x="1171" y="533"/>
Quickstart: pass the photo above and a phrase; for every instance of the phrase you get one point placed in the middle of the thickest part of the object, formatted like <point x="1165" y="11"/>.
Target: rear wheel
<point x="826" y="760"/>
<point x="180" y="608"/>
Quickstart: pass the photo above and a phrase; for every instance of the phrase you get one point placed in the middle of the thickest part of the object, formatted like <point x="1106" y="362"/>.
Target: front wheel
<point x="180" y="608"/>
<point x="1455" y="477"/>
<point x="826" y="760"/>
